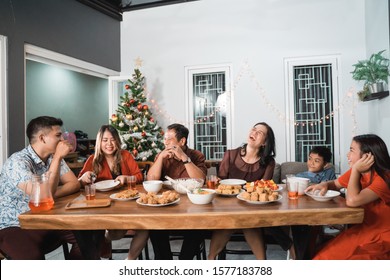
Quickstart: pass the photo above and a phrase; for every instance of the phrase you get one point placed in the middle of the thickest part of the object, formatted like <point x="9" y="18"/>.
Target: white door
<point x="3" y="100"/>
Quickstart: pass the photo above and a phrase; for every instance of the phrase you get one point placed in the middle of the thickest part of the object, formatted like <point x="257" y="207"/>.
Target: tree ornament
<point x="135" y="152"/>
<point x="154" y="144"/>
<point x="139" y="107"/>
<point x="114" y="118"/>
<point x="121" y="124"/>
<point x="129" y="116"/>
<point x="124" y="146"/>
<point x="145" y="107"/>
<point x="135" y="128"/>
<point x="152" y="119"/>
<point x="146" y="113"/>
<point x="127" y="87"/>
<point x="132" y="101"/>
<point x="143" y="134"/>
<point x="144" y="159"/>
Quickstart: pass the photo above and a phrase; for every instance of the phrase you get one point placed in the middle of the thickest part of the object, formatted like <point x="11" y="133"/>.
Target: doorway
<point x="3" y="100"/>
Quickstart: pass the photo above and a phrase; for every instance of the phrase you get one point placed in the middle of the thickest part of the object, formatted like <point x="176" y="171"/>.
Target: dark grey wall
<point x="64" y="26"/>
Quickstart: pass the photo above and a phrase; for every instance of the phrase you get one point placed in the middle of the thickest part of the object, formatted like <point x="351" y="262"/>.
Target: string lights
<point x="246" y="69"/>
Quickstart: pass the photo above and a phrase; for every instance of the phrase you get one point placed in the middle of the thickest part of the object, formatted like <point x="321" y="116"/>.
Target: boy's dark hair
<point x="39" y="123"/>
<point x="181" y="131"/>
<point x="323" y="152"/>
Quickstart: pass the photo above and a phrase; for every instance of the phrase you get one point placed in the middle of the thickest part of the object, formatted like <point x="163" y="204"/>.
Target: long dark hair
<point x="266" y="152"/>
<point x="97" y="162"/>
<point x="371" y="143"/>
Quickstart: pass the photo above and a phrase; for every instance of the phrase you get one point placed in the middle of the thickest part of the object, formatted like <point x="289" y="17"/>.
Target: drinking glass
<point x="131" y="182"/>
<point x="211" y="181"/>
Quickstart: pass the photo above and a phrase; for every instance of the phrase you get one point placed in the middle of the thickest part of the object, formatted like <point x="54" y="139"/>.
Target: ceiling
<point x="115" y="8"/>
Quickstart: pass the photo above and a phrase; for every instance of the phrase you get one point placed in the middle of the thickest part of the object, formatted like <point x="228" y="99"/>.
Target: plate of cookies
<point x="260" y="192"/>
<point x="125" y="195"/>
<point x="228" y="190"/>
<point x="158" y="200"/>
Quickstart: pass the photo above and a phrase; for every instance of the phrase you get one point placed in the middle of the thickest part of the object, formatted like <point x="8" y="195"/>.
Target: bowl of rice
<point x="184" y="185"/>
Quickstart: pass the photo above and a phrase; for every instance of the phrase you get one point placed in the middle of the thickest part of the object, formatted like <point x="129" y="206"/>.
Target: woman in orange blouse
<point x="111" y="162"/>
<point x="368" y="186"/>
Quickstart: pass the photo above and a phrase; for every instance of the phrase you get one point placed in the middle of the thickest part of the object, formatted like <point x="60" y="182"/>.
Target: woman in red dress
<point x="368" y="186"/>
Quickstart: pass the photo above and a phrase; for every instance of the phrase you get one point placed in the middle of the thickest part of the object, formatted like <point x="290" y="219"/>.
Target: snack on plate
<point x="127" y="194"/>
<point x="261" y="190"/>
<point x="164" y="198"/>
<point x="229" y="189"/>
<point x="261" y="184"/>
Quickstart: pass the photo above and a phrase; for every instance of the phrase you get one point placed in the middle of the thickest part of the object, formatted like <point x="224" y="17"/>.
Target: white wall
<point x="262" y="32"/>
<point x="377" y="38"/>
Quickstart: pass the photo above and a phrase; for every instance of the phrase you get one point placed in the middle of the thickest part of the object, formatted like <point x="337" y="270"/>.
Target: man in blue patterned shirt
<point x="44" y="154"/>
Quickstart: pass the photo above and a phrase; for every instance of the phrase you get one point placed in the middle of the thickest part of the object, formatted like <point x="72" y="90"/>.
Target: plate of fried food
<point x="267" y="184"/>
<point x="125" y="195"/>
<point x="228" y="190"/>
<point x="157" y="200"/>
<point x="259" y="194"/>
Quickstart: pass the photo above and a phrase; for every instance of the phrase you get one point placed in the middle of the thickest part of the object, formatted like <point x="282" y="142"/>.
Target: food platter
<point x="157" y="205"/>
<point x="258" y="202"/>
<point x="113" y="197"/>
<point x="107" y="185"/>
<point x="229" y="195"/>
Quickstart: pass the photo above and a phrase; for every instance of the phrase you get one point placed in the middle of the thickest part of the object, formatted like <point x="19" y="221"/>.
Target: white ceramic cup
<point x="303" y="183"/>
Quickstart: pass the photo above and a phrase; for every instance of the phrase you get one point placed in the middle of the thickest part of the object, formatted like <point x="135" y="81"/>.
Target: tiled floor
<point x="274" y="252"/>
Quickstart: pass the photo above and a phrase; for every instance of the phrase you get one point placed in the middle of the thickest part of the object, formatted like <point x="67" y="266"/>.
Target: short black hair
<point x="181" y="131"/>
<point x="323" y="152"/>
<point x="39" y="123"/>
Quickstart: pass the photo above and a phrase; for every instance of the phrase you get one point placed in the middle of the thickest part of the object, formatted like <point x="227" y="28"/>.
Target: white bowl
<point x="152" y="185"/>
<point x="201" y="196"/>
<point x="326" y="197"/>
<point x="184" y="185"/>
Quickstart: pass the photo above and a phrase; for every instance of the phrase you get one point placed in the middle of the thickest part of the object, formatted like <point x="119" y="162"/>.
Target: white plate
<point x="106" y="185"/>
<point x="234" y="194"/>
<point x="328" y="196"/>
<point x="280" y="187"/>
<point x="112" y="196"/>
<point x="232" y="182"/>
<point x="157" y="205"/>
<point x="258" y="202"/>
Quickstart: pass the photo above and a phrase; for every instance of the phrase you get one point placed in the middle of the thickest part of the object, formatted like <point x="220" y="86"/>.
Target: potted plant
<point x="373" y="71"/>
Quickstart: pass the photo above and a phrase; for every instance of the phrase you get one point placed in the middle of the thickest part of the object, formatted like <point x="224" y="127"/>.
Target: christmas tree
<point x="140" y="133"/>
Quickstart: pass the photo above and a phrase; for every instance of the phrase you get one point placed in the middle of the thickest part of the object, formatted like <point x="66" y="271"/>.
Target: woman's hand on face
<point x="122" y="179"/>
<point x="364" y="163"/>
<point x="322" y="187"/>
<point x="86" y="178"/>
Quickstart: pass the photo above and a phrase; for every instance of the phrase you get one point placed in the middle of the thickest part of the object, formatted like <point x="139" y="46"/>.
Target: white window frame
<point x="189" y="101"/>
<point x="56" y="59"/>
<point x="3" y="101"/>
<point x="114" y="96"/>
<point x="289" y="64"/>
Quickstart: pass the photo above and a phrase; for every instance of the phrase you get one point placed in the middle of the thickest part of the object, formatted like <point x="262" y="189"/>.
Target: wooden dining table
<point x="225" y="212"/>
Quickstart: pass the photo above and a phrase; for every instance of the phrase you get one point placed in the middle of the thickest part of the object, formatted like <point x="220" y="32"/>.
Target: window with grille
<point x="313" y="106"/>
<point x="312" y="96"/>
<point x="209" y="102"/>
